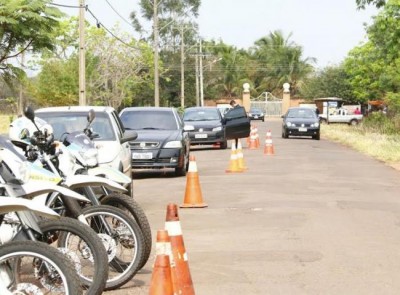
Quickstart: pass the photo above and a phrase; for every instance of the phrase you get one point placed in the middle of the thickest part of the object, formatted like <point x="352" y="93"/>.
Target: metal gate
<point x="271" y="105"/>
<point x="270" y="108"/>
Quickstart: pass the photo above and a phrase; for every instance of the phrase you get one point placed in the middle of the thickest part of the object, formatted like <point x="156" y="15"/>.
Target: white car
<point x="112" y="142"/>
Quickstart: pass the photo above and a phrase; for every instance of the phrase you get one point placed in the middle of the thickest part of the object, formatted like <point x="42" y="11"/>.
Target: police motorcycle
<point x="78" y="155"/>
<point x="25" y="252"/>
<point x="30" y="266"/>
<point x="119" y="232"/>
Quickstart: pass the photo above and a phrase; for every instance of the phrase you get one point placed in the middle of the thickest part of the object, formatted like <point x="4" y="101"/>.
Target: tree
<point x="331" y="81"/>
<point x="114" y="67"/>
<point x="25" y="25"/>
<point x="164" y="13"/>
<point x="361" y="4"/>
<point x="280" y="60"/>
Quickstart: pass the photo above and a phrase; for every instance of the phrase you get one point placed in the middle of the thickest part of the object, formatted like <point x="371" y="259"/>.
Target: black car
<point x="162" y="141"/>
<point x="300" y="121"/>
<point x="256" y="114"/>
<point x="207" y="126"/>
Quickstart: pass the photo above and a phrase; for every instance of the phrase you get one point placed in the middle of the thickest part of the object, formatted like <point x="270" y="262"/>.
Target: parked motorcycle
<point x="119" y="231"/>
<point x="32" y="267"/>
<point x="76" y="240"/>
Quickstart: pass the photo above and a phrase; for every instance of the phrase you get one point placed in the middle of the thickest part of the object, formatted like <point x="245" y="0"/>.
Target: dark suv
<point x="162" y="141"/>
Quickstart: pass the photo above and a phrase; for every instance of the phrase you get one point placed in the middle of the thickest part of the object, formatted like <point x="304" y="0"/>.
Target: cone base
<point x="201" y="205"/>
<point x="234" y="171"/>
<point x="269" y="152"/>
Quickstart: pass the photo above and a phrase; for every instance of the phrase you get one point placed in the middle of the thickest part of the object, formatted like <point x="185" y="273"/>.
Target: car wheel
<point x="316" y="137"/>
<point x="353" y="122"/>
<point x="284" y="134"/>
<point x="181" y="171"/>
<point x="223" y="145"/>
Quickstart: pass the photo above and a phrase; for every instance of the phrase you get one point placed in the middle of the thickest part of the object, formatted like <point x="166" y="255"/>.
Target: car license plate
<point x="200" y="135"/>
<point x="142" y="156"/>
<point x="302" y="129"/>
<point x="255" y="117"/>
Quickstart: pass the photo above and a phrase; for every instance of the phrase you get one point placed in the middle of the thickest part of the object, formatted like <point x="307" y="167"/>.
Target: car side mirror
<point x="129" y="135"/>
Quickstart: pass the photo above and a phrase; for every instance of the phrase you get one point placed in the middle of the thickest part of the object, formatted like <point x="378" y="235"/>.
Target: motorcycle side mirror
<point x="29" y="113"/>
<point x="91" y="115"/>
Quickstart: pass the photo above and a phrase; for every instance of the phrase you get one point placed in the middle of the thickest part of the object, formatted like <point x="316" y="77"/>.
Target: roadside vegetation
<point x="377" y="136"/>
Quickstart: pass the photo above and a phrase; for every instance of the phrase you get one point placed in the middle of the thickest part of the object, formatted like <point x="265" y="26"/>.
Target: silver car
<point x="113" y="150"/>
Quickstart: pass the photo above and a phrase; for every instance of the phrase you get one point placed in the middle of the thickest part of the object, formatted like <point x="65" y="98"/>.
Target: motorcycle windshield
<point x="78" y="140"/>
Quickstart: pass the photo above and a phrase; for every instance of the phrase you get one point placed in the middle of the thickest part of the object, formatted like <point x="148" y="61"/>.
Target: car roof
<point x="201" y="108"/>
<point x="76" y="109"/>
<point x="148" y="109"/>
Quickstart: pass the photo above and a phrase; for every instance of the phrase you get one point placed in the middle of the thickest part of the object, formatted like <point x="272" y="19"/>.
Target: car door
<point x="237" y="123"/>
<point x="125" y="151"/>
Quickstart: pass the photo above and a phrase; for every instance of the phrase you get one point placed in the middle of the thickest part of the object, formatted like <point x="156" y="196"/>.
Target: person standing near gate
<point x="234" y="104"/>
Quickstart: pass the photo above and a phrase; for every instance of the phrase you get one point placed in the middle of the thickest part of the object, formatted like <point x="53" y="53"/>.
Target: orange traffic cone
<point x="257" y="137"/>
<point x="253" y="140"/>
<point x="233" y="163"/>
<point x="193" y="196"/>
<point x="183" y="283"/>
<point x="269" y="148"/>
<point x="161" y="280"/>
<point x="240" y="157"/>
<point x="163" y="245"/>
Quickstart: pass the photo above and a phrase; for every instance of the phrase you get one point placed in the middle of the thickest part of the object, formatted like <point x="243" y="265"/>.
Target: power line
<point x="120" y="15"/>
<point x="63" y="5"/>
<point x="99" y="24"/>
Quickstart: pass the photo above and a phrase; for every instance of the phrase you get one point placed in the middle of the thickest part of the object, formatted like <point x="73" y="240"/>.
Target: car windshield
<point x="201" y="115"/>
<point x="67" y="122"/>
<point x="255" y="111"/>
<point x="148" y="119"/>
<point x="301" y="113"/>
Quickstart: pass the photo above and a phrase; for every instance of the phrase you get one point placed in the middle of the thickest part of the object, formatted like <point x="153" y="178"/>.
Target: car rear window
<point x="148" y="119"/>
<point x="65" y="122"/>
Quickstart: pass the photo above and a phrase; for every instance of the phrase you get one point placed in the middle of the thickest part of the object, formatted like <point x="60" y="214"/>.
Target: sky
<point x="326" y="29"/>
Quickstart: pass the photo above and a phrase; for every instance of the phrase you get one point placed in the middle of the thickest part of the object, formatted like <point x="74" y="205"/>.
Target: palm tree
<point x="280" y="60"/>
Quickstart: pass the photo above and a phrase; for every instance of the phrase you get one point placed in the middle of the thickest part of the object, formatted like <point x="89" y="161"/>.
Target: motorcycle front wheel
<point x="82" y="245"/>
<point x="30" y="267"/>
<point x="131" y="207"/>
<point x="123" y="240"/>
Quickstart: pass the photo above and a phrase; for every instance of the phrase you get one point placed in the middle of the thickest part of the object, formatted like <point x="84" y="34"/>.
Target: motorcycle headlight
<point x="219" y="128"/>
<point x="90" y="156"/>
<point x="173" y="144"/>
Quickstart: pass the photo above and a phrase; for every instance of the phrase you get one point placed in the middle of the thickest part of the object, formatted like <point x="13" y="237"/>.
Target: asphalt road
<point x="315" y="218"/>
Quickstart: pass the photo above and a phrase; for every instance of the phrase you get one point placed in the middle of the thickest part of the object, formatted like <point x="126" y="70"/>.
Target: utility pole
<point x="155" y="46"/>
<point x="82" y="80"/>
<point x="182" y="69"/>
<point x="197" y="80"/>
<point x="201" y="76"/>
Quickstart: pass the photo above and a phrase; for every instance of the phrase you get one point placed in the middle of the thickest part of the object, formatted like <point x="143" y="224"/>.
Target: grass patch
<point x="384" y="147"/>
<point x="5" y="121"/>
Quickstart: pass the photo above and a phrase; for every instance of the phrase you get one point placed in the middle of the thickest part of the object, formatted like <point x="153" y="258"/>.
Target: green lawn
<point x="5" y="123"/>
<point x="383" y="147"/>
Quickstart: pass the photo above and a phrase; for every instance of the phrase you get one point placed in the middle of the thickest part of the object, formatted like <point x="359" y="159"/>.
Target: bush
<point x="378" y="122"/>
